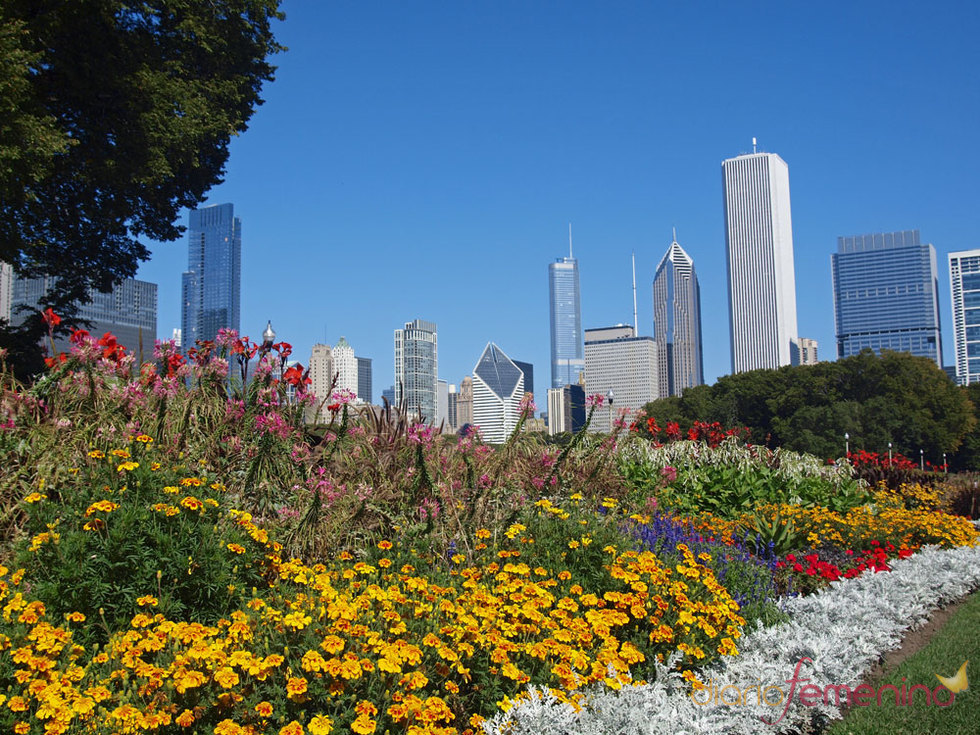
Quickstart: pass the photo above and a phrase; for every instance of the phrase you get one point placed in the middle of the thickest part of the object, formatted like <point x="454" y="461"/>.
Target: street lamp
<point x="609" y="397"/>
<point x="889" y="454"/>
<point x="922" y="460"/>
<point x="847" y="444"/>
<point x="945" y="468"/>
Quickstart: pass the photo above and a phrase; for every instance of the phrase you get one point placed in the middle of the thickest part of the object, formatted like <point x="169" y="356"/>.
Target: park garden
<point x="186" y="553"/>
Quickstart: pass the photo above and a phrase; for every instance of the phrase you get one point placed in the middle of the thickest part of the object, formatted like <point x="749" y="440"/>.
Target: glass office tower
<point x="211" y="288"/>
<point x="567" y="347"/>
<point x="886" y="295"/>
<point x="417" y="368"/>
<point x="964" y="287"/>
<point x="677" y="323"/>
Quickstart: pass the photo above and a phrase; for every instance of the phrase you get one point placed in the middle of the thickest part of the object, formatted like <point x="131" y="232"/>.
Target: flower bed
<point x="838" y="634"/>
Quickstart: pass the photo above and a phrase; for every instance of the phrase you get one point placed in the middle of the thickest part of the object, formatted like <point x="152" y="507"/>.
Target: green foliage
<point x="116" y="115"/>
<point x="779" y="534"/>
<point x="894" y="397"/>
<point x="105" y="537"/>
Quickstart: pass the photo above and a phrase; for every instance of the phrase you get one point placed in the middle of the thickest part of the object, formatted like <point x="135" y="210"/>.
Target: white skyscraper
<point x="417" y="369"/>
<point x="617" y="360"/>
<point x="498" y="387"/>
<point x="761" y="280"/>
<point x="964" y="289"/>
<point x="345" y="365"/>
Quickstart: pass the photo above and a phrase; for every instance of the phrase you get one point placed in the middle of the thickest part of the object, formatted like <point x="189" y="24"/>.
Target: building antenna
<point x="753" y="145"/>
<point x="569" y="240"/>
<point x="636" y="329"/>
<point x="675" y="233"/>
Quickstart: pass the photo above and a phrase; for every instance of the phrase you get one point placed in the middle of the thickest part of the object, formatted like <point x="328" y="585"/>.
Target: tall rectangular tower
<point x="964" y="288"/>
<point x="211" y="288"/>
<point x="886" y="295"/>
<point x="417" y="368"/>
<point x="567" y="350"/>
<point x="365" y="379"/>
<point x="677" y="322"/>
<point x="761" y="279"/>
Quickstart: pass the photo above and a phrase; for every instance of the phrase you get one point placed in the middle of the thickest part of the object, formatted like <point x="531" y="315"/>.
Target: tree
<point x="113" y="116"/>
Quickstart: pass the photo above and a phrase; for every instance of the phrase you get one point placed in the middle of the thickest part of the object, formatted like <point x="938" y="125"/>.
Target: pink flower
<point x="595" y="400"/>
<point x="669" y="473"/>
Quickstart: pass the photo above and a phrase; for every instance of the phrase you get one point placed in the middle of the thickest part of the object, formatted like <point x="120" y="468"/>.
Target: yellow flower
<point x="320" y="725"/>
<point x="293" y="728"/>
<point x="192" y="503"/>
<point x="147" y="600"/>
<point x="144" y="439"/>
<point x="35" y="498"/>
<point x="363" y="725"/>
<point x="384" y="545"/>
<point x="264" y="709"/>
<point x="238" y="549"/>
<point x="127" y="466"/>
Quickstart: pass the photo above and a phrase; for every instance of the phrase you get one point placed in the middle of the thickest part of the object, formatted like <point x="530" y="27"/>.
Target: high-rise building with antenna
<point x="564" y="300"/>
<point x="677" y="322"/>
<point x="761" y="279"/>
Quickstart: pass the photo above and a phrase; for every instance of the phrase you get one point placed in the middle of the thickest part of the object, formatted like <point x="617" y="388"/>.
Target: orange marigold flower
<point x="320" y="725"/>
<point x="237" y="548"/>
<point x="147" y="600"/>
<point x="192" y="482"/>
<point x="296" y="686"/>
<point x="384" y="545"/>
<point x="192" y="503"/>
<point x="264" y="709"/>
<point x="293" y="728"/>
<point x="363" y="725"/>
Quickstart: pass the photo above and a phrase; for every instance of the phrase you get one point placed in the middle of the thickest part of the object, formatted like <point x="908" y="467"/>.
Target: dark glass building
<point x="886" y="295"/>
<point x="567" y="346"/>
<point x="211" y="288"/>
<point x="365" y="390"/>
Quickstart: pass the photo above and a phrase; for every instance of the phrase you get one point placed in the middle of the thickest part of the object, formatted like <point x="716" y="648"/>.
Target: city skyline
<point x="449" y="147"/>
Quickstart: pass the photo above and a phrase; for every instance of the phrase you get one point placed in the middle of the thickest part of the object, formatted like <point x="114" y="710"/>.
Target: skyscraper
<point x="964" y="288"/>
<point x="617" y="360"/>
<point x="528" y="370"/>
<point x="365" y="382"/>
<point x="498" y="387"/>
<point x="808" y="351"/>
<point x="677" y="323"/>
<point x="566" y="409"/>
<point x="345" y="365"/>
<point x="417" y="368"/>
<point x="761" y="280"/>
<point x="464" y="403"/>
<point x="211" y="287"/>
<point x="321" y="379"/>
<point x="567" y="355"/>
<point x="886" y="295"/>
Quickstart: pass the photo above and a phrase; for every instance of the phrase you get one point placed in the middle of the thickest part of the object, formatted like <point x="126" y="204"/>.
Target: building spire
<point x="674" y="240"/>
<point x="570" y="240"/>
<point x="636" y="329"/>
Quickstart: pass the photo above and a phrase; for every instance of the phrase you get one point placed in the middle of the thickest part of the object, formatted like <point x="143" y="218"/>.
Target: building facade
<point x="345" y="366"/>
<point x="365" y="379"/>
<point x="464" y="403"/>
<point x="566" y="409"/>
<point x="677" y="323"/>
<point x="808" y="351"/>
<point x="886" y="295"/>
<point x="964" y="289"/>
<point x="321" y="380"/>
<point x="417" y="368"/>
<point x="6" y="290"/>
<point x="528" y="370"/>
<point x="128" y="311"/>
<point x="565" y="304"/>
<point x="761" y="278"/>
<point x="617" y="360"/>
<point x="498" y="387"/>
<point x="211" y="287"/>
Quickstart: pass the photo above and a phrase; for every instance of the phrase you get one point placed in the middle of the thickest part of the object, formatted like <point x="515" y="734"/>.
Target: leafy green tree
<point x="113" y="116"/>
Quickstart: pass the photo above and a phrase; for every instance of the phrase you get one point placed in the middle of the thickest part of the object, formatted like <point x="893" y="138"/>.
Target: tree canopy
<point x="894" y="397"/>
<point x="113" y="116"/>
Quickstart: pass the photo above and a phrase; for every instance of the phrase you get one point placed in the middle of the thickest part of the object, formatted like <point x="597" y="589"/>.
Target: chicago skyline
<point x="759" y="249"/>
<point x="456" y="181"/>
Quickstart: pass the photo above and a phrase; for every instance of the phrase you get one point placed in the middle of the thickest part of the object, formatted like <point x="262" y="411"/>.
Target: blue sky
<point x="424" y="159"/>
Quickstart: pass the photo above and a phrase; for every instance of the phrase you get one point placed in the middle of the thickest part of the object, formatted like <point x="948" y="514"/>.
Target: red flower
<point x="295" y="375"/>
<point x="50" y="318"/>
<point x="111" y="350"/>
<point x="333" y="407"/>
<point x="52" y="361"/>
<point x="78" y="336"/>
